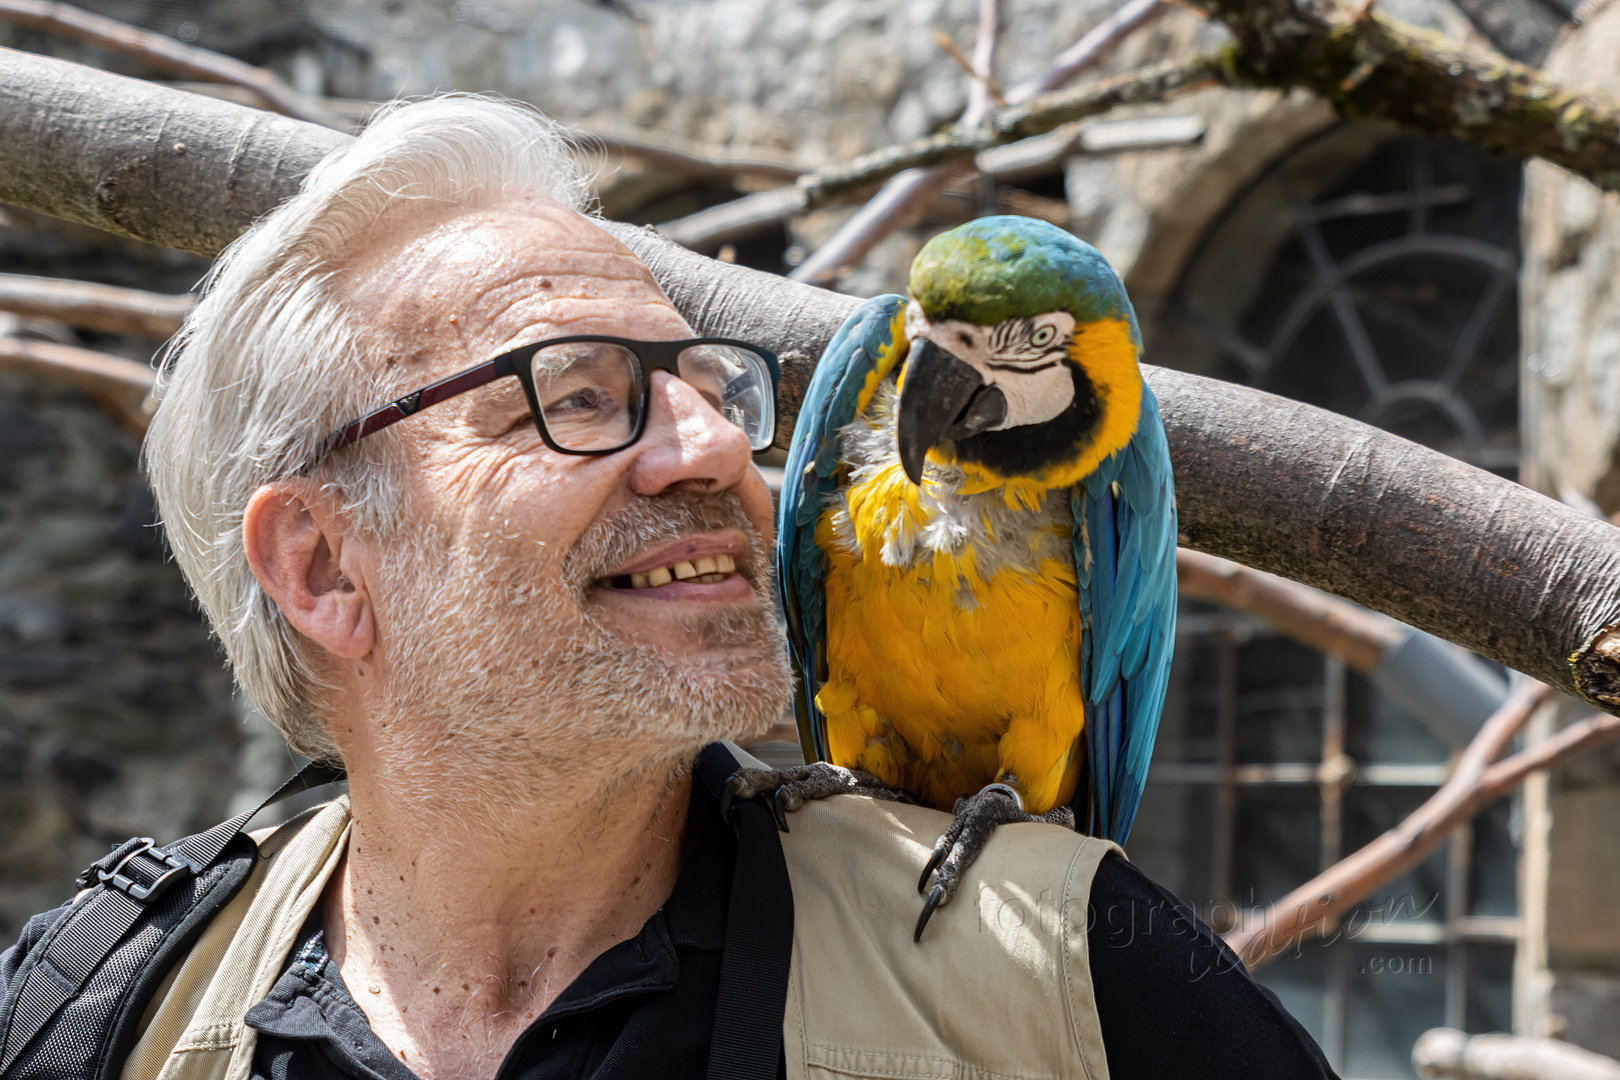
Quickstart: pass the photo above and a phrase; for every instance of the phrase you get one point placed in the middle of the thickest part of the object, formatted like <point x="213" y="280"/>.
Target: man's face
<point x="510" y="623"/>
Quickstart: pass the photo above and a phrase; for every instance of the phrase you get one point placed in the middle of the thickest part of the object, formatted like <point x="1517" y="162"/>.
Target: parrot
<point x="976" y="546"/>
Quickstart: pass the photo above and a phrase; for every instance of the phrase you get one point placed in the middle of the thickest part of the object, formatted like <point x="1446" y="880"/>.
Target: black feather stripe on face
<point x="1033" y="448"/>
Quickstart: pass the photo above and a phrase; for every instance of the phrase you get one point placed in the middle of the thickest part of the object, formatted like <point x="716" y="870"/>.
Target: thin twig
<point x="1320" y="903"/>
<point x="1011" y="125"/>
<point x="1551" y="752"/>
<point x="92" y="306"/>
<point x="954" y="51"/>
<point x="1090" y="50"/>
<point x="907" y="190"/>
<point x="700" y="162"/>
<point x="984" y="93"/>
<point x="187" y="61"/>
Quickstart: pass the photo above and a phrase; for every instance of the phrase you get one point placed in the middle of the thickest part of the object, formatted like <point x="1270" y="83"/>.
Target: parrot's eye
<point x="1043" y="336"/>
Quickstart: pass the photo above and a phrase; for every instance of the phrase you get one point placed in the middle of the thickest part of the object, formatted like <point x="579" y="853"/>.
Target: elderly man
<point x="516" y="604"/>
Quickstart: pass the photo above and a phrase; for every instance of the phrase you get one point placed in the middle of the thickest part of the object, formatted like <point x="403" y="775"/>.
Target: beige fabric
<point x="194" y="1030"/>
<point x="1000" y="986"/>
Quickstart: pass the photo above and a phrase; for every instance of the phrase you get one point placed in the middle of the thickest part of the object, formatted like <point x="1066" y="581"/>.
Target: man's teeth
<point x="706" y="571"/>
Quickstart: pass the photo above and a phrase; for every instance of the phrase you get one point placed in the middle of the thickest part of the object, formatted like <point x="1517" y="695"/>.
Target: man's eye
<point x="1043" y="337"/>
<point x="585" y="400"/>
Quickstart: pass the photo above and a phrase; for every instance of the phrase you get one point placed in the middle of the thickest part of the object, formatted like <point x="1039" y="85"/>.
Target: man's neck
<point x="464" y="908"/>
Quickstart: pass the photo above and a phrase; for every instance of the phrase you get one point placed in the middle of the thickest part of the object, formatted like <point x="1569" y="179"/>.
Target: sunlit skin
<point x="453" y="944"/>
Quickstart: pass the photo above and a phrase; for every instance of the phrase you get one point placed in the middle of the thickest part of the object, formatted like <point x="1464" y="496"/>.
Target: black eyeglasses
<point x="589" y="394"/>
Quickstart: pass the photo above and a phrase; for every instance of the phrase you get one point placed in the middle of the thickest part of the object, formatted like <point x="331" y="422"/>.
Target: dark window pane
<point x="1419" y="894"/>
<point x="1380" y="732"/>
<point x="1493" y="886"/>
<point x="1278" y="841"/>
<point x="1279" y="702"/>
<point x="1173" y="839"/>
<point x="1187" y="725"/>
<point x="1396" y="993"/>
<point x="1490" y="988"/>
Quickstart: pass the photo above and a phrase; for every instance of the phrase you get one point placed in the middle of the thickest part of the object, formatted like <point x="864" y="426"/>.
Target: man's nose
<point x="687" y="441"/>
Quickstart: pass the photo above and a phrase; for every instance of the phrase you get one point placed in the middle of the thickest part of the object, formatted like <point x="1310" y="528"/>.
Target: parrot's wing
<point x="866" y="349"/>
<point x="1125" y="553"/>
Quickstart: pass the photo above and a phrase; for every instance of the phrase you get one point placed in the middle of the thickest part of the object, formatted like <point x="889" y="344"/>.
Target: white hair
<point x="272" y="360"/>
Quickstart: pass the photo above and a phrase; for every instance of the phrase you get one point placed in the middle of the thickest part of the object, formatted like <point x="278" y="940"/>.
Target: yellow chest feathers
<point x="951" y="619"/>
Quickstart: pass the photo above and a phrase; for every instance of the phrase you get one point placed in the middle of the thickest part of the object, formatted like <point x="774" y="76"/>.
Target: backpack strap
<point x="123" y="888"/>
<point x="747" y="1040"/>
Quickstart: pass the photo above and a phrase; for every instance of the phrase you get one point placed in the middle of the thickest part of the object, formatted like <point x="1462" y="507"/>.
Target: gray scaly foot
<point x="976" y="817"/>
<point x="791" y="788"/>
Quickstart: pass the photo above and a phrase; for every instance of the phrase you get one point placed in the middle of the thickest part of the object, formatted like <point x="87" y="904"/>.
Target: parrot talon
<point x="941" y="850"/>
<point x="974" y="818"/>
<point x="936" y="897"/>
<point x="788" y="789"/>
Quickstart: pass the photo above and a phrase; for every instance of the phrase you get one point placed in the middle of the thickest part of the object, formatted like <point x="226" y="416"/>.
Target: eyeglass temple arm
<point x="413" y="403"/>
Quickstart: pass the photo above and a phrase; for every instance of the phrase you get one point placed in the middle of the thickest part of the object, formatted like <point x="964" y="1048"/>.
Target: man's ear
<point x="311" y="565"/>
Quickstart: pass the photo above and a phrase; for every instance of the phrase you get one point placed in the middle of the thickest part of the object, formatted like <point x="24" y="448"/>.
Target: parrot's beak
<point x="942" y="398"/>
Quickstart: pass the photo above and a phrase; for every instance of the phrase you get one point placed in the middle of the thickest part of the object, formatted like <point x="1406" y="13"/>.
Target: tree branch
<point x="1318" y="905"/>
<point x="920" y="180"/>
<point x="166" y="54"/>
<point x="142" y="160"/>
<point x="1447" y="1052"/>
<point x="698" y="163"/>
<point x="907" y="190"/>
<point x="1372" y="67"/>
<point x="1012" y="124"/>
<point x="1271" y="483"/>
<point x="1323" y="622"/>
<point x="119" y="385"/>
<point x="90" y="306"/>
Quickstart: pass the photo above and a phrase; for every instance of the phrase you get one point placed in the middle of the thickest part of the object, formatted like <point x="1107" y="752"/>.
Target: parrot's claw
<point x="791" y="788"/>
<point x="976" y="817"/>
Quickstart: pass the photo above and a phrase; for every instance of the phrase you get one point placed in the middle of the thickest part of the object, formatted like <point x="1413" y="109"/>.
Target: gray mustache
<point x="648" y="522"/>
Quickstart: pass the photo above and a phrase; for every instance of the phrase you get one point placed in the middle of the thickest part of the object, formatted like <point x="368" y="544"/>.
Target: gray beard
<point x="496" y="665"/>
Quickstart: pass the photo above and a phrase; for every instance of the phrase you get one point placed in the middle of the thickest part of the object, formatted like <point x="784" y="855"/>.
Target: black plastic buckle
<point x="116" y="878"/>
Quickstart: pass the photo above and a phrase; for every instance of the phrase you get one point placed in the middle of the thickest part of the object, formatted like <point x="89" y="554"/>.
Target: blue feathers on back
<point x="1128" y="608"/>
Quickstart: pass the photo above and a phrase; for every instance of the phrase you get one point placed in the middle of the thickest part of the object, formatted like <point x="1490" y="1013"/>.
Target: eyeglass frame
<point x="665" y="357"/>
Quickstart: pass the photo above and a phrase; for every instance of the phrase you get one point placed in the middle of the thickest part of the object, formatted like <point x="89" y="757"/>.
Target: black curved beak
<point x="943" y="399"/>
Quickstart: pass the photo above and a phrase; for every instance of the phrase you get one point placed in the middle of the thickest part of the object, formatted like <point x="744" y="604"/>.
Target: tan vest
<point x="1000" y="986"/>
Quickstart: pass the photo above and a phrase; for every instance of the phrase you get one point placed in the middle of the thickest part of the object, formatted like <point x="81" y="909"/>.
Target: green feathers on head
<point x="998" y="268"/>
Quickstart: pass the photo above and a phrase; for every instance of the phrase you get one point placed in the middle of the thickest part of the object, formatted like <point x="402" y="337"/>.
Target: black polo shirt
<point x="1173" y="1000"/>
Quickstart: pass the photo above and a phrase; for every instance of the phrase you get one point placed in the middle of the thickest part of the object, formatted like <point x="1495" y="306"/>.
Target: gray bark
<point x="1272" y="483"/>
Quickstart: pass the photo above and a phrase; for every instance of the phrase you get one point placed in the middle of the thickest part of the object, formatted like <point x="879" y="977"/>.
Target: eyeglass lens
<point x="591" y="393"/>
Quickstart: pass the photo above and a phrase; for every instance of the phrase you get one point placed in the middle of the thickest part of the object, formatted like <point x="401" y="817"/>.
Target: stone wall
<point x="1569" y="979"/>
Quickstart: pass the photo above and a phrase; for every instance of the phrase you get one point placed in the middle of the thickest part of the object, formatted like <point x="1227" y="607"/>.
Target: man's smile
<point x="711" y="567"/>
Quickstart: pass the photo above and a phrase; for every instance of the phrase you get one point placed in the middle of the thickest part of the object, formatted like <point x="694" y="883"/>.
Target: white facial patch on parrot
<point x="1025" y="358"/>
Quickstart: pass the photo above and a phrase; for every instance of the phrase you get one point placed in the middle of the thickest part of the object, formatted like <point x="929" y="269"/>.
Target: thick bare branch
<point x="1318" y="905"/>
<point x="90" y="306"/>
<point x="1271" y="483"/>
<point x="1373" y="67"/>
<point x="142" y="160"/>
<point x="166" y="54"/>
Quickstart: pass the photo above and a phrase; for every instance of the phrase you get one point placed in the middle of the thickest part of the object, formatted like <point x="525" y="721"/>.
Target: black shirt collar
<point x="311" y="1002"/>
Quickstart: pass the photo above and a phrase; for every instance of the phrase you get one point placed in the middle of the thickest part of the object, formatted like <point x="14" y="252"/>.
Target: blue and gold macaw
<point x="977" y="537"/>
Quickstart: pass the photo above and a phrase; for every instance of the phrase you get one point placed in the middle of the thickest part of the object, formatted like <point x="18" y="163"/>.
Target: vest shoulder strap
<point x="74" y="1005"/>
